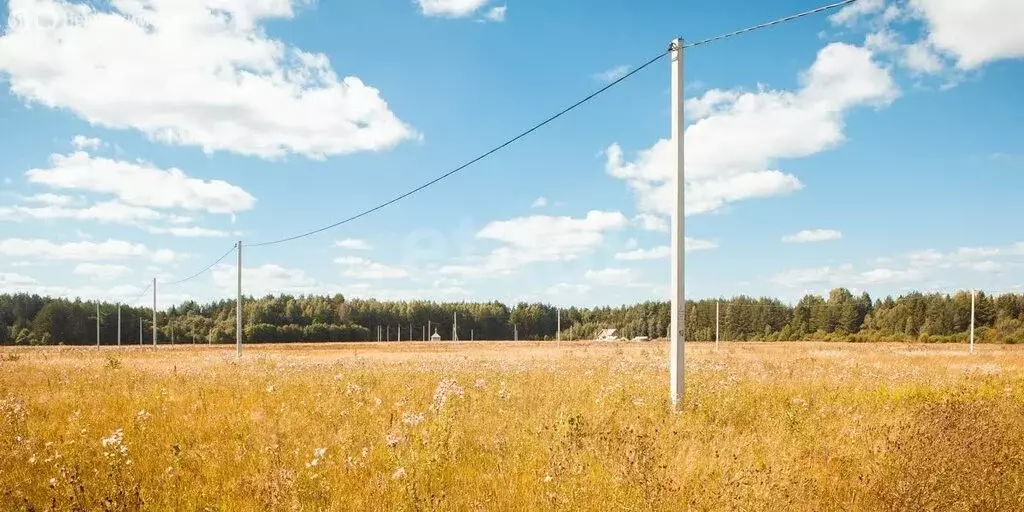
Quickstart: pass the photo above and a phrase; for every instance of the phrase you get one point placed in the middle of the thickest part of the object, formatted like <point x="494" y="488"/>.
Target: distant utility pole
<point x="455" y="327"/>
<point x="154" y="312"/>
<point x="472" y="335"/>
<point x="389" y="332"/>
<point x="119" y="325"/>
<point x="170" y="323"/>
<point x="424" y="332"/>
<point x="973" y="293"/>
<point x="428" y="330"/>
<point x="515" y="331"/>
<point x="97" y="323"/>
<point x="558" y="328"/>
<point x="238" y="303"/>
<point x="410" y="332"/>
<point x="399" y="332"/>
<point x="140" y="332"/>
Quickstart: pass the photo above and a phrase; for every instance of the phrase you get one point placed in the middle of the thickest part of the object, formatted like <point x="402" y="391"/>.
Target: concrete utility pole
<point x="119" y="325"/>
<point x="154" y="312"/>
<point x="472" y="335"/>
<point x="97" y="323"/>
<point x="389" y="333"/>
<point x="399" y="332"/>
<point x="558" y="329"/>
<point x="455" y="327"/>
<point x="973" y="293"/>
<point x="424" y="332"/>
<point x="515" y="331"/>
<point x="238" y="305"/>
<point x="677" y="346"/>
<point x="428" y="330"/>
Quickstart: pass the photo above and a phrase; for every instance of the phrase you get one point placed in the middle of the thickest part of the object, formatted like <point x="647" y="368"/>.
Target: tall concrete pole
<point x="677" y="352"/>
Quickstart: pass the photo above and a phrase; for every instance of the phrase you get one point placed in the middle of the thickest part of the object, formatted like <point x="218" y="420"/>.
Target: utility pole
<point x="455" y="327"/>
<point x="399" y="333"/>
<point x="973" y="293"/>
<point x="170" y="322"/>
<point x="472" y="335"/>
<point x="677" y="352"/>
<point x="238" y="304"/>
<point x="428" y="330"/>
<point x="389" y="333"/>
<point x="410" y="332"/>
<point x="424" y="333"/>
<point x="515" y="331"/>
<point x="154" y="312"/>
<point x="97" y="323"/>
<point x="119" y="325"/>
<point x="140" y="332"/>
<point x="558" y="329"/>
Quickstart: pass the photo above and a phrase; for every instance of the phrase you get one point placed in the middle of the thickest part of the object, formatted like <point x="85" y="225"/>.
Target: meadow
<point x="512" y="426"/>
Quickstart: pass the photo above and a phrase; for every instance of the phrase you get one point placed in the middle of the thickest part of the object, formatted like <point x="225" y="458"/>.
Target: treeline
<point x="842" y="316"/>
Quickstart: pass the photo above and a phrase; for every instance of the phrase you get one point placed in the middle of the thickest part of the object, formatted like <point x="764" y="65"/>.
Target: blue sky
<point x="878" y="148"/>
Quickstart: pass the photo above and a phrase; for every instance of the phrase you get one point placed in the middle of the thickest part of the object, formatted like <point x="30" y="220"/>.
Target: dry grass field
<point x="512" y="426"/>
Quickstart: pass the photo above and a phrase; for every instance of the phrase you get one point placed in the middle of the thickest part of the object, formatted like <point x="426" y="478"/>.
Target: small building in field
<point x="435" y="336"/>
<point x="608" y="335"/>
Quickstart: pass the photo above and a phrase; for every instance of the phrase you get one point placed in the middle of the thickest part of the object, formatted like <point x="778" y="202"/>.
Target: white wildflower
<point x="445" y="389"/>
<point x="398" y="474"/>
<point x="318" y="455"/>
<point x="394" y="439"/>
<point x="413" y="419"/>
<point x="480" y="383"/>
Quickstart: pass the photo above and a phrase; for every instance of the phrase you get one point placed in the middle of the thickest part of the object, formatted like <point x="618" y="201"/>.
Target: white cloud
<point x="197" y="73"/>
<point x="101" y="271"/>
<point x="263" y="280"/>
<point x="362" y="268"/>
<point x="612" y="74"/>
<point x="451" y="8"/>
<point x="9" y="279"/>
<point x="920" y="58"/>
<point x="496" y="13"/>
<point x="568" y="289"/>
<point x="974" y="32"/>
<point x="141" y="184"/>
<point x="82" y="251"/>
<point x="632" y="243"/>
<point x="852" y="13"/>
<point x="190" y="232"/>
<point x="540" y="202"/>
<point x="613" y="277"/>
<point x="50" y="199"/>
<point x="664" y="251"/>
<point x="914" y="267"/>
<point x="648" y="222"/>
<point x="81" y="142"/>
<point x="107" y="212"/>
<point x="354" y="244"/>
<point x="737" y="136"/>
<point x="813" y="235"/>
<point x="655" y="253"/>
<point x="540" y="238"/>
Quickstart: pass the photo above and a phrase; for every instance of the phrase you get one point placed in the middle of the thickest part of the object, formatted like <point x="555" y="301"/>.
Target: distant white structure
<point x="435" y="336"/>
<point x="608" y="335"/>
<point x="641" y="338"/>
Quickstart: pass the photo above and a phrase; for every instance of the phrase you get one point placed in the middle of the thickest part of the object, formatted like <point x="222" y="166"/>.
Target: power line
<point x="769" y="24"/>
<point x="471" y="162"/>
<point x="549" y="120"/>
<point x="203" y="271"/>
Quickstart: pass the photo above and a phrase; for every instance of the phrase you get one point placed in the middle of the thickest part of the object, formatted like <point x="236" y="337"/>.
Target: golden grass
<point x="503" y="426"/>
